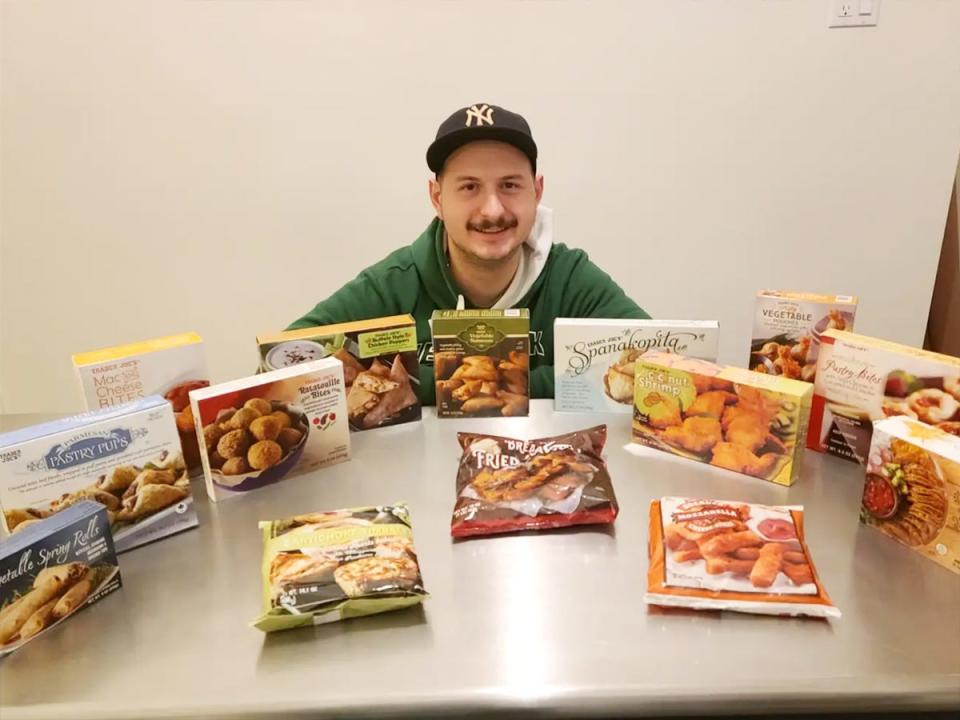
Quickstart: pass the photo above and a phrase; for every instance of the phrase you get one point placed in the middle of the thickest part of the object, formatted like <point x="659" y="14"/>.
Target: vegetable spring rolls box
<point x="787" y="327"/>
<point x="862" y="379"/>
<point x="594" y="359"/>
<point x="729" y="417"/>
<point x="380" y="366"/>
<point x="52" y="570"/>
<point x="265" y="428"/>
<point x="912" y="488"/>
<point x="126" y="457"/>
<point x="481" y="361"/>
<point x="170" y="366"/>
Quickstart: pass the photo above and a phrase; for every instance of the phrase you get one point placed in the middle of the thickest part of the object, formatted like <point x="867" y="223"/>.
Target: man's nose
<point x="492" y="207"/>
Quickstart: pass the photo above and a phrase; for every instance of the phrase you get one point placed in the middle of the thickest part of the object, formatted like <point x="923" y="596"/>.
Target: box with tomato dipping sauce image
<point x="269" y="427"/>
<point x="170" y="366"/>
<point x="728" y="555"/>
<point x="912" y="488"/>
<point x="506" y="484"/>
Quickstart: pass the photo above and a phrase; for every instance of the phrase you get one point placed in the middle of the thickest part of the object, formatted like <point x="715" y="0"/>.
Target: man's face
<point x="487" y="197"/>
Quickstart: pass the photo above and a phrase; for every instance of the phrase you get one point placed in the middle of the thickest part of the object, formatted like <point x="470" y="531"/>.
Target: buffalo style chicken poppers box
<point x="261" y="429"/>
<point x="787" y="327"/>
<point x="729" y="417"/>
<point x="862" y="379"/>
<point x="912" y="488"/>
<point x="481" y="361"/>
<point x="169" y="366"/>
<point x="381" y="371"/>
<point x="53" y="569"/>
<point x="594" y="359"/>
<point x="127" y="458"/>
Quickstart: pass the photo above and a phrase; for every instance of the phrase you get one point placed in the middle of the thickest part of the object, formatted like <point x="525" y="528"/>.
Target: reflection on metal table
<point x="553" y="621"/>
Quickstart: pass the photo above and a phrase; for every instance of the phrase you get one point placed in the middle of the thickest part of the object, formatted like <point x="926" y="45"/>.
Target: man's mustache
<point x="502" y="223"/>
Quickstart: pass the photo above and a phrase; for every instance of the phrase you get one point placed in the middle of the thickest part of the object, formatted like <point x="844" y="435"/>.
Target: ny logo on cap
<point x="479" y="115"/>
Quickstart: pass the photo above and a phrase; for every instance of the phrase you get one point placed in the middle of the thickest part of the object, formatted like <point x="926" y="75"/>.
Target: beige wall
<point x="220" y="166"/>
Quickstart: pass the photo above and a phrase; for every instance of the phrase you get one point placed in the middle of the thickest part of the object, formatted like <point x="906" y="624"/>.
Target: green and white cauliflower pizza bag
<point x="328" y="566"/>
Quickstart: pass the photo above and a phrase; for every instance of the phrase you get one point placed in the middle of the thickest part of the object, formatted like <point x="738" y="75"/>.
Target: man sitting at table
<point x="489" y="246"/>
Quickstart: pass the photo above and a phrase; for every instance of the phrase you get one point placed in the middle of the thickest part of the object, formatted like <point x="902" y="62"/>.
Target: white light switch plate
<point x="854" y="13"/>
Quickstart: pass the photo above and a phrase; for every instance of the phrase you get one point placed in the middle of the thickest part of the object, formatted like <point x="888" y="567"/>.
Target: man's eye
<point x="469" y="187"/>
<point x="511" y="185"/>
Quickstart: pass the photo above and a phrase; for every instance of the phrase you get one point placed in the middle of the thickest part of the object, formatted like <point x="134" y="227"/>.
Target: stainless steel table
<point x="550" y="622"/>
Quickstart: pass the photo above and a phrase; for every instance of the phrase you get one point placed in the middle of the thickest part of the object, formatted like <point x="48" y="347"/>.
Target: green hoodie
<point x="552" y="281"/>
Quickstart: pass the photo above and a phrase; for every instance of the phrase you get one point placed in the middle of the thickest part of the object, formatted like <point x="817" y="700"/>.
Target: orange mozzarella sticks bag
<point x="719" y="555"/>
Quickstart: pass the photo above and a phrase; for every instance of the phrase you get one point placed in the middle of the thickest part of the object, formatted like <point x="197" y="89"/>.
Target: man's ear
<point x="434" y="190"/>
<point x="538" y="186"/>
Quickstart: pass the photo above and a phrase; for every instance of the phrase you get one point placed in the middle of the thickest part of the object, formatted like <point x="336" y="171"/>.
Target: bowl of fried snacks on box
<point x="722" y="555"/>
<point x="328" y="566"/>
<point x="505" y="484"/>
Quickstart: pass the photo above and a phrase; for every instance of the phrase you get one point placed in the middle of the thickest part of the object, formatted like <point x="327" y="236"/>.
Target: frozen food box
<point x="912" y="488"/>
<point x="481" y="361"/>
<point x="594" y="359"/>
<point x="170" y="366"/>
<point x="54" y="569"/>
<point x="729" y="417"/>
<point x="125" y="457"/>
<point x="265" y="428"/>
<point x="381" y="371"/>
<point x="787" y="327"/>
<point x="862" y="379"/>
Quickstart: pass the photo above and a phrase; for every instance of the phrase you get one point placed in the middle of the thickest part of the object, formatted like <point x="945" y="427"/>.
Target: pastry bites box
<point x="126" y="457"/>
<point x="54" y="569"/>
<point x="729" y="417"/>
<point x="481" y="361"/>
<point x="171" y="366"/>
<point x="862" y="379"/>
<point x="787" y="327"/>
<point x="380" y="366"/>
<point x="912" y="488"/>
<point x="594" y="359"/>
<point x="265" y="428"/>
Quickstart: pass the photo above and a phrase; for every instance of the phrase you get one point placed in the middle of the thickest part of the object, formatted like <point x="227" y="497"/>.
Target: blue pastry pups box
<point x="127" y="458"/>
<point x="53" y="569"/>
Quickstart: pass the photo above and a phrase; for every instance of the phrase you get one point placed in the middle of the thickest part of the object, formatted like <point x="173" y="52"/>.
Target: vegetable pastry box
<point x="481" y="361"/>
<point x="504" y="484"/>
<point x="265" y="428"/>
<point x="787" y="327"/>
<point x="381" y="371"/>
<point x="54" y="569"/>
<point x="862" y="379"/>
<point x="729" y="417"/>
<point x="169" y="366"/>
<point x="720" y="555"/>
<point x="594" y="359"/>
<point x="126" y="457"/>
<point x="912" y="488"/>
<point x="328" y="566"/>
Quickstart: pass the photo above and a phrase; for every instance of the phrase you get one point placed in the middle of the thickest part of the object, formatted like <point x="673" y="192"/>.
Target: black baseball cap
<point x="481" y="122"/>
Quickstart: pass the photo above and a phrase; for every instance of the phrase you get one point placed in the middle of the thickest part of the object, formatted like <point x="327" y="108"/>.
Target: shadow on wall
<point x="943" y="324"/>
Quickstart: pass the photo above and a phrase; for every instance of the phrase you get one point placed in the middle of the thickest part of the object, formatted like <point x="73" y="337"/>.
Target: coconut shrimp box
<point x="594" y="359"/>
<point x="127" y="458"/>
<point x="170" y="366"/>
<point x="862" y="379"/>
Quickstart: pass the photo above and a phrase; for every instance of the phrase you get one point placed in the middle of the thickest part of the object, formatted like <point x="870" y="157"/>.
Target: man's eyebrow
<point x="463" y="178"/>
<point x="512" y="177"/>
